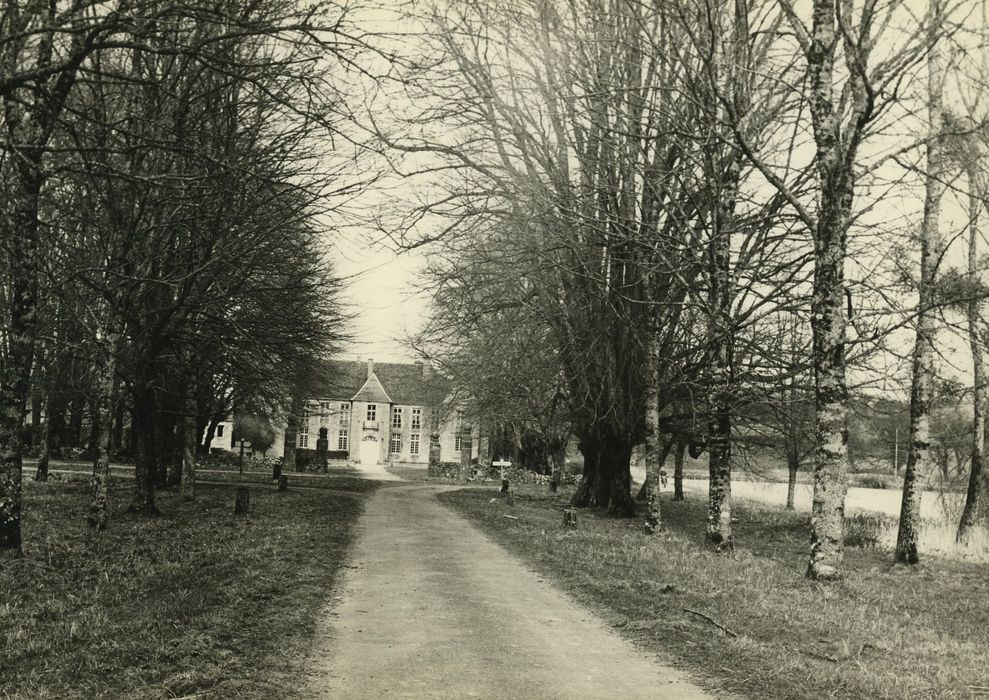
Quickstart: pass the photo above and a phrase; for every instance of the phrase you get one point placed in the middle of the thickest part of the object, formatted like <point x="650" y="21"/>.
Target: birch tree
<point x="919" y="460"/>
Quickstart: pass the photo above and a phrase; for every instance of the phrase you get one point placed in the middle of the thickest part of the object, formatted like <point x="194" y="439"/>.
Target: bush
<point x="866" y="529"/>
<point x="218" y="459"/>
<point x="870" y="481"/>
<point x="446" y="470"/>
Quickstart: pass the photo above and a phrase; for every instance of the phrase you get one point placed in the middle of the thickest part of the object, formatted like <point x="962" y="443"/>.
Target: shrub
<point x="866" y="529"/>
<point x="446" y="470"/>
<point x="218" y="459"/>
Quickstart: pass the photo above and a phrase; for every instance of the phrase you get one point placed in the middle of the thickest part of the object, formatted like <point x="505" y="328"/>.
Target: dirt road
<point x="432" y="608"/>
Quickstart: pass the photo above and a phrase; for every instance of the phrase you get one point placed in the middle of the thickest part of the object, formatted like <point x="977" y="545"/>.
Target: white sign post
<point x="502" y="464"/>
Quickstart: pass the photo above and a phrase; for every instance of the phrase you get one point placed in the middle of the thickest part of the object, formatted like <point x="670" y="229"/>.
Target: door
<point x="370" y="449"/>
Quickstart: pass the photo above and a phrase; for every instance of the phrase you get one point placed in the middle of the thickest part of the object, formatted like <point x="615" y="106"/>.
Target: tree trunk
<point x="681" y="448"/>
<point x="792" y="466"/>
<point x="607" y="480"/>
<point x="144" y="454"/>
<point x="719" y="532"/>
<point x="45" y="448"/>
<point x="828" y="324"/>
<point x="974" y="510"/>
<point x="76" y="409"/>
<point x="15" y="371"/>
<point x="291" y="431"/>
<point x="177" y="449"/>
<point x="558" y="454"/>
<point x="919" y="455"/>
<point x="188" y="485"/>
<point x="118" y="429"/>
<point x="653" y="486"/>
<point x="164" y="445"/>
<point x="36" y="403"/>
<point x="211" y="425"/>
<point x="106" y="400"/>
<point x="654" y="463"/>
<point x="720" y="340"/>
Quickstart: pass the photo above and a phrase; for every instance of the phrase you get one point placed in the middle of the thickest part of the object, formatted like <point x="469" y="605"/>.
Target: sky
<point x="380" y="290"/>
<point x="380" y="285"/>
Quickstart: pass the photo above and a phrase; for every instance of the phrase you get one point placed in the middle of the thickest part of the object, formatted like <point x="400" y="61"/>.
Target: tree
<point x="931" y="251"/>
<point x="43" y="50"/>
<point x="186" y="159"/>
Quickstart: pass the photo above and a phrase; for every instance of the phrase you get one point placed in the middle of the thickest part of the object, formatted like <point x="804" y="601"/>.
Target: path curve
<point x="431" y="608"/>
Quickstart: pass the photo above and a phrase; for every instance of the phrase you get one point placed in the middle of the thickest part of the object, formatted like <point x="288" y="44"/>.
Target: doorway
<point x="370" y="449"/>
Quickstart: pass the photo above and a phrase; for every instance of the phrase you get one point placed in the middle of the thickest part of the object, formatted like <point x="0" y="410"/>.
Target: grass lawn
<point x="335" y="478"/>
<point x="883" y="632"/>
<point x="196" y="602"/>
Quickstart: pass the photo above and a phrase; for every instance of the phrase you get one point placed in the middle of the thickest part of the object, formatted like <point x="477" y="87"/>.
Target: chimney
<point x="370" y="367"/>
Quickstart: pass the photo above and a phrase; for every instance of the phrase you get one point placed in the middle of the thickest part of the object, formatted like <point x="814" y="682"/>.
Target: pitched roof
<point x="372" y="391"/>
<point x="401" y="383"/>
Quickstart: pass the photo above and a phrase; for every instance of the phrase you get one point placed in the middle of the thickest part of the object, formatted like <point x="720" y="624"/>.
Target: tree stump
<point x="283" y="483"/>
<point x="569" y="517"/>
<point x="243" y="503"/>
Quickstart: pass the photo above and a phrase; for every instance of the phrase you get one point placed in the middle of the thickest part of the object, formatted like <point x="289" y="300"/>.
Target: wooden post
<point x="569" y="517"/>
<point x="322" y="450"/>
<point x="434" y="454"/>
<point x="465" y="451"/>
<point x="243" y="504"/>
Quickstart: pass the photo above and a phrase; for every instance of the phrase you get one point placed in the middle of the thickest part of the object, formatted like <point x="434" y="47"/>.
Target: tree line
<point x="677" y="223"/>
<point x="168" y="174"/>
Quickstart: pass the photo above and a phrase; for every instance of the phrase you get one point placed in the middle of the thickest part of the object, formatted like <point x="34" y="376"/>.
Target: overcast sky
<point x="379" y="289"/>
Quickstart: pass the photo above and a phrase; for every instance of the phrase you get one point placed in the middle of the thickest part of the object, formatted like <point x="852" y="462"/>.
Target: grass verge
<point x="883" y="632"/>
<point x="197" y="602"/>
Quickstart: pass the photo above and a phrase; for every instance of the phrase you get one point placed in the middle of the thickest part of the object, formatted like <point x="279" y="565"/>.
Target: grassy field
<point x="883" y="632"/>
<point x="196" y="603"/>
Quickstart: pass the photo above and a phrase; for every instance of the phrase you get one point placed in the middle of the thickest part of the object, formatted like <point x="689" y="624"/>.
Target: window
<point x="414" y="444"/>
<point x="395" y="446"/>
<point x="343" y="439"/>
<point x="305" y="411"/>
<point x="219" y="430"/>
<point x="372" y="411"/>
<point x="416" y="419"/>
<point x="304" y="435"/>
<point x="434" y="421"/>
<point x="344" y="411"/>
<point x="459" y="426"/>
<point x="396" y="417"/>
